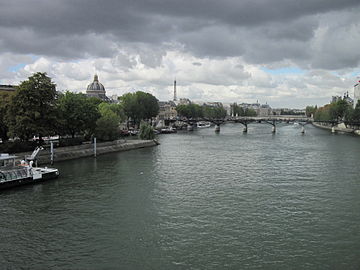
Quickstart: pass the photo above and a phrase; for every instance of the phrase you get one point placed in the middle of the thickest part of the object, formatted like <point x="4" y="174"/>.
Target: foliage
<point x="17" y="146"/>
<point x="32" y="110"/>
<point x="323" y="113"/>
<point x="70" y="141"/>
<point x="249" y="112"/>
<point x="5" y="99"/>
<point x="190" y="111"/>
<point x="77" y="114"/>
<point x="214" y="112"/>
<point x="139" y="106"/>
<point x="338" y="109"/>
<point x="237" y="110"/>
<point x="107" y="126"/>
<point x="353" y="115"/>
<point x="146" y="131"/>
<point x="310" y="110"/>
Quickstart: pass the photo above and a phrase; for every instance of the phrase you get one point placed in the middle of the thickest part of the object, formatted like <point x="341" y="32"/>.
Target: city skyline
<point x="285" y="53"/>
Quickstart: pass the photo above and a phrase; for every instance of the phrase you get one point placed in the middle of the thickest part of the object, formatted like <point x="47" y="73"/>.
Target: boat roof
<point x="6" y="156"/>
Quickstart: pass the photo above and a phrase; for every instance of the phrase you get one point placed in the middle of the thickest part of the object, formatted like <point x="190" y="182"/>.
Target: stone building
<point x="167" y="110"/>
<point x="96" y="89"/>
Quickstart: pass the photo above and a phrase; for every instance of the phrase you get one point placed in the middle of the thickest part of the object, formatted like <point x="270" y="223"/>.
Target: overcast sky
<point x="288" y="53"/>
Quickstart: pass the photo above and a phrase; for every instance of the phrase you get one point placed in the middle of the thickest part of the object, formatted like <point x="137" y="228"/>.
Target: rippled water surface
<point x="200" y="200"/>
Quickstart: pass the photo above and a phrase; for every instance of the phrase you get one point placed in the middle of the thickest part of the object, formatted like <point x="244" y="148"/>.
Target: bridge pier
<point x="217" y="128"/>
<point x="332" y="129"/>
<point x="273" y="130"/>
<point x="302" y="130"/>
<point x="245" y="129"/>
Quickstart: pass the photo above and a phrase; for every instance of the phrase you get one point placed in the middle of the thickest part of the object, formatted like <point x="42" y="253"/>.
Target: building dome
<point x="96" y="85"/>
<point x="96" y="89"/>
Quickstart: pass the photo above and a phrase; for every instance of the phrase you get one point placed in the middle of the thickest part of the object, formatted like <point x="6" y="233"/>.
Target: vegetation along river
<point x="199" y="200"/>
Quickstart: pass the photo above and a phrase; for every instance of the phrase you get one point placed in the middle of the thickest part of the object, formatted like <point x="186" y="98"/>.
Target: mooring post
<point x="217" y="128"/>
<point x="190" y="127"/>
<point x="245" y="129"/>
<point x="51" y="153"/>
<point x="273" y="130"/>
<point x="302" y="130"/>
<point x="95" y="147"/>
<point x="333" y="130"/>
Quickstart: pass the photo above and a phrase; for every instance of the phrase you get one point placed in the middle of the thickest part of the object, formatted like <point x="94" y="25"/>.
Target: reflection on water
<point x="200" y="200"/>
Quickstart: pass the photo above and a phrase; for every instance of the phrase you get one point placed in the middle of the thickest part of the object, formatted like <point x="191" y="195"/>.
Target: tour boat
<point x="203" y="124"/>
<point x="12" y="175"/>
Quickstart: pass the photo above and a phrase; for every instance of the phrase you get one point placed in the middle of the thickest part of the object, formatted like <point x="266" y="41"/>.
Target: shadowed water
<point x="200" y="200"/>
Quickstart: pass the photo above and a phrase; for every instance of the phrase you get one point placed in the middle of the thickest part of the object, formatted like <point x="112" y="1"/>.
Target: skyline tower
<point x="175" y="98"/>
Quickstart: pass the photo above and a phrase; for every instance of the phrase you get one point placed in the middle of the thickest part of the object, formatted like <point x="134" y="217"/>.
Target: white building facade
<point x="356" y="93"/>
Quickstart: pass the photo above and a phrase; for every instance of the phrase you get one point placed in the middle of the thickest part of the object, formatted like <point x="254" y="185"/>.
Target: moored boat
<point x="203" y="124"/>
<point x="12" y="174"/>
<point x="168" y="130"/>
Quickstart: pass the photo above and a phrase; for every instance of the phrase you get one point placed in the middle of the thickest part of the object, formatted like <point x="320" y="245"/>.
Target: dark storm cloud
<point x="262" y="31"/>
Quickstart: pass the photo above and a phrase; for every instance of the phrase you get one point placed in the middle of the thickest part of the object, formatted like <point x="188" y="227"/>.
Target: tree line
<point x="195" y="111"/>
<point x="36" y="109"/>
<point x="340" y="110"/>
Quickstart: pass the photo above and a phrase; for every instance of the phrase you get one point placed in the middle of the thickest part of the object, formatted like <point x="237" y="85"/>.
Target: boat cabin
<point x="9" y="171"/>
<point x="7" y="161"/>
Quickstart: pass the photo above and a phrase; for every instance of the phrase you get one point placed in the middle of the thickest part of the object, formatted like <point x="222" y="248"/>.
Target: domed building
<point x="96" y="89"/>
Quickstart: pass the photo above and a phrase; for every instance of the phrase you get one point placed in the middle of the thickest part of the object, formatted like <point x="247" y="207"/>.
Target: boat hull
<point x="28" y="180"/>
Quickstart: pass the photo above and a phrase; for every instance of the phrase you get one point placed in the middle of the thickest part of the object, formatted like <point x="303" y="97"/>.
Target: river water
<point x="199" y="200"/>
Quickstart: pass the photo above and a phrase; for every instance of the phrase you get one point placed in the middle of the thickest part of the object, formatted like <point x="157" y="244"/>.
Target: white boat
<point x="168" y="130"/>
<point x="203" y="124"/>
<point x="12" y="175"/>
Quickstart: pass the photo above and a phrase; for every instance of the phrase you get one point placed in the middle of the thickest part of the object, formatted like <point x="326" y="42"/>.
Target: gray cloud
<point x="261" y="31"/>
<point x="210" y="46"/>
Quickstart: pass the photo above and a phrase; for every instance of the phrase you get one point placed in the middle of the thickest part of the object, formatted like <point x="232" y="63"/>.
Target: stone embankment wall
<point x="87" y="150"/>
<point x="339" y="128"/>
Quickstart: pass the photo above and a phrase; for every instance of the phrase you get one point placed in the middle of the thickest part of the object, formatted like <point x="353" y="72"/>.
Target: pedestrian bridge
<point x="245" y="121"/>
<point x="271" y="120"/>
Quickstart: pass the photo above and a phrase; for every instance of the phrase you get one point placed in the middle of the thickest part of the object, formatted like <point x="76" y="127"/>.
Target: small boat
<point x="203" y="124"/>
<point x="12" y="175"/>
<point x="168" y="130"/>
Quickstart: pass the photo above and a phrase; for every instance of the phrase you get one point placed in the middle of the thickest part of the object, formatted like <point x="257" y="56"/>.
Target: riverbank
<point x="338" y="128"/>
<point x="87" y="150"/>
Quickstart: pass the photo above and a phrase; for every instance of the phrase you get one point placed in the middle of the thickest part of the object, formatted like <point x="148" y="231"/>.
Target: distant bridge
<point x="272" y="120"/>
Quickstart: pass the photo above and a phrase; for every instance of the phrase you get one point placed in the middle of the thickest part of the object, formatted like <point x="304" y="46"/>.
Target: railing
<point x="14" y="174"/>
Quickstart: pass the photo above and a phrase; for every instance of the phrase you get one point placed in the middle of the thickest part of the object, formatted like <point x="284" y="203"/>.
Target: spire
<point x="175" y="90"/>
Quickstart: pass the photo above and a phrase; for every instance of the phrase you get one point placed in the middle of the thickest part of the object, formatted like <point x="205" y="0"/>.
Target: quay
<point x="87" y="150"/>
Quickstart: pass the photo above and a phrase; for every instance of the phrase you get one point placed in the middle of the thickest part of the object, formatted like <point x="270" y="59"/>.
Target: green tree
<point x="214" y="112"/>
<point x="323" y="113"/>
<point x="190" y="111"/>
<point x="310" y="110"/>
<point x="250" y="112"/>
<point x="339" y="109"/>
<point x="32" y="110"/>
<point x="5" y="99"/>
<point x="107" y="126"/>
<point x="146" y="131"/>
<point x="77" y="114"/>
<point x="139" y="106"/>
